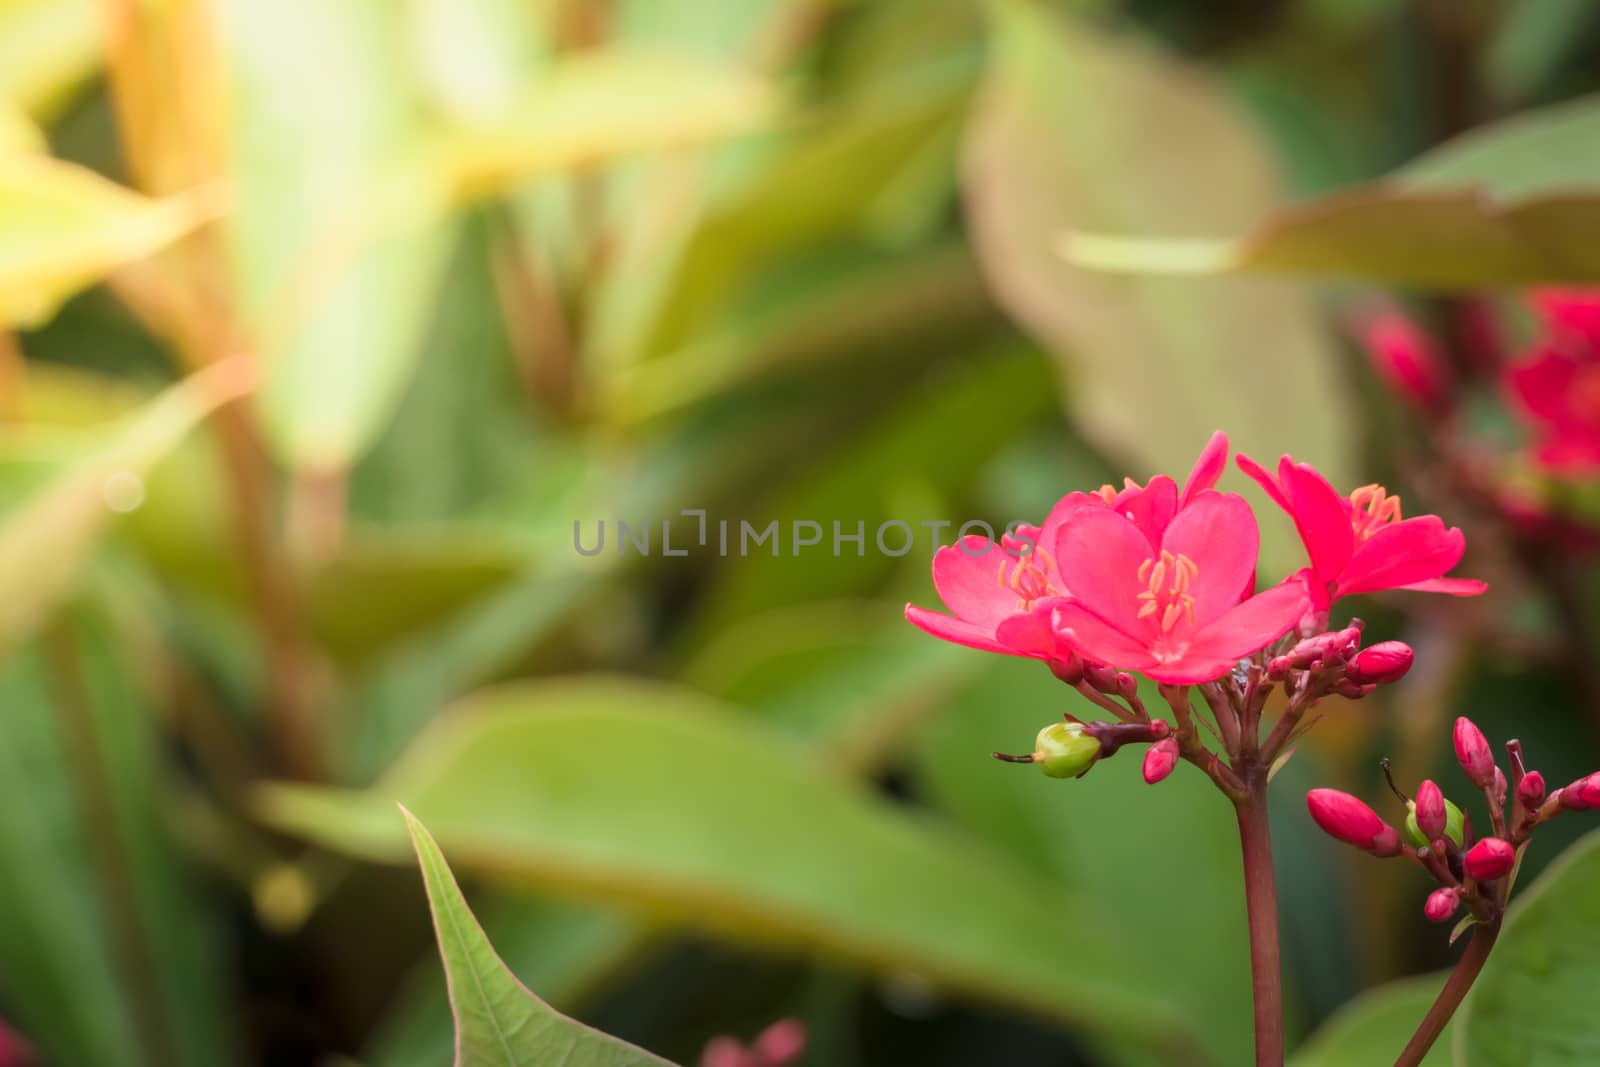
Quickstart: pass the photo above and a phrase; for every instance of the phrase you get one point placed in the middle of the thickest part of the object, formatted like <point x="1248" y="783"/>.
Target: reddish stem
<point x="1449" y="999"/>
<point x="1261" y="901"/>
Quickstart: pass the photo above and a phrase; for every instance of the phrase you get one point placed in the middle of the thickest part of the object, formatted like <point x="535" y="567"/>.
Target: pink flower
<point x="1407" y="360"/>
<point x="1002" y="599"/>
<point x="1531" y="790"/>
<point x="1380" y="664"/>
<point x="1582" y="795"/>
<point x="1556" y="386"/>
<point x="1441" y="904"/>
<point x="1176" y="608"/>
<point x="1472" y="752"/>
<point x="1347" y="818"/>
<point x="1430" y="811"/>
<point x="1360" y="543"/>
<point x="1490" y="858"/>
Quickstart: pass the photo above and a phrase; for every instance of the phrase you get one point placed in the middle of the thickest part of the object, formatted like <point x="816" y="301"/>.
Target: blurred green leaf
<point x="1513" y="203"/>
<point x="1531" y="44"/>
<point x="1375" y="1026"/>
<point x="498" y="1021"/>
<point x="112" y="956"/>
<point x="1533" y="1004"/>
<point x="651" y="796"/>
<point x="43" y="543"/>
<point x="562" y="950"/>
<point x="1077" y="131"/>
<point x="47" y="48"/>
<point x="63" y="227"/>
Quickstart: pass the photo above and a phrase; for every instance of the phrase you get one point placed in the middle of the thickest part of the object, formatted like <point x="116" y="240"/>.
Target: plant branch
<point x="1261" y="901"/>
<point x="1444" y="1006"/>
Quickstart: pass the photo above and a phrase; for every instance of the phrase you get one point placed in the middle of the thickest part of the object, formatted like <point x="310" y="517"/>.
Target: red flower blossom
<point x="1360" y="543"/>
<point x="1556" y="385"/>
<point x="1002" y="600"/>
<point x="1407" y="360"/>
<point x="1176" y="608"/>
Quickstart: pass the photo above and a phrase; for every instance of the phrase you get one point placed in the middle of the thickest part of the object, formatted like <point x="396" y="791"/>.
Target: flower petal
<point x="1218" y="532"/>
<point x="1033" y="634"/>
<point x="967" y="578"/>
<point x="1251" y="625"/>
<point x="1099" y="554"/>
<point x="1207" y="469"/>
<point x="1402" y="554"/>
<point x="1265" y="480"/>
<point x="1451" y="586"/>
<point x="1152" y="508"/>
<point x="1321" y="516"/>
<point x="1542" y="386"/>
<point x="955" y="630"/>
<point x="1095" y="639"/>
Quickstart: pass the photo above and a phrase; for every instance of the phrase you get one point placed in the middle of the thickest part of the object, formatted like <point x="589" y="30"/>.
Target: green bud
<point x="1063" y="750"/>
<point x="1453" y="826"/>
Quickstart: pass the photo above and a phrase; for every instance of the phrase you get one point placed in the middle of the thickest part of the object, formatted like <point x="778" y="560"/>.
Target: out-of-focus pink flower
<point x="1177" y="609"/>
<point x="779" y="1045"/>
<point x="1556" y="384"/>
<point x="1360" y="543"/>
<point x="1001" y="597"/>
<point x="14" y="1051"/>
<point x="1490" y="858"/>
<point x="1345" y="817"/>
<point x="1407" y="360"/>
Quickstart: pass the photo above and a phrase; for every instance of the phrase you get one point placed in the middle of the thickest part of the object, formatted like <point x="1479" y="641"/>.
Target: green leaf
<point x="44" y="542"/>
<point x="1513" y="203"/>
<point x="63" y="227"/>
<point x="498" y="1021"/>
<point x="114" y="955"/>
<point x="1533" y="1005"/>
<point x="648" y="796"/>
<point x="1076" y="131"/>
<point x="1375" y="1026"/>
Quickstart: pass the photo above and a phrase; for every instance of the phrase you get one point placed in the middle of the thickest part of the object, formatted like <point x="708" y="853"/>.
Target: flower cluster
<point x="780" y="1045"/>
<point x="1476" y="873"/>
<point x="1160" y="580"/>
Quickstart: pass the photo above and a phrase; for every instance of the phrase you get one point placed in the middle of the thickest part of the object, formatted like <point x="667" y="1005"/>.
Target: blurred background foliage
<point x="487" y="268"/>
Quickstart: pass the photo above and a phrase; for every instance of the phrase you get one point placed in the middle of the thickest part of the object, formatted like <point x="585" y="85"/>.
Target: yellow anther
<point x="1144" y="569"/>
<point x="1170" y="617"/>
<point x="1150" y="606"/>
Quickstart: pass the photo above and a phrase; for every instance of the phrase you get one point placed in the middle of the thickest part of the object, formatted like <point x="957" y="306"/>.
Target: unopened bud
<point x="1278" y="668"/>
<point x="1472" y="752"/>
<point x="1381" y="664"/>
<point x="1063" y="750"/>
<point x="1159" y="759"/>
<point x="1441" y="904"/>
<point x="1407" y="361"/>
<point x="1343" y="816"/>
<point x="1582" y="795"/>
<point x="1432" y="817"/>
<point x="1530" y="791"/>
<point x="1069" y="670"/>
<point x="1490" y="858"/>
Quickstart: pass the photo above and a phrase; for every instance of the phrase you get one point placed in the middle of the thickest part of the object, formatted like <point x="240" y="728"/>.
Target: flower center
<point x="1371" y="509"/>
<point x="1028" y="579"/>
<point x="1166" y="596"/>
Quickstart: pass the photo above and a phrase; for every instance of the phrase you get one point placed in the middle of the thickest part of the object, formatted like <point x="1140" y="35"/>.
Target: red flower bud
<point x="1385" y="662"/>
<point x="1441" y="904"/>
<point x="1472" y="752"/>
<point x="1407" y="360"/>
<point x="1069" y="670"/>
<point x="1431" y="815"/>
<point x="1531" y="790"/>
<point x="781" y="1044"/>
<point x="1159" y="759"/>
<point x="1490" y="858"/>
<point x="1582" y="795"/>
<point x="1343" y="816"/>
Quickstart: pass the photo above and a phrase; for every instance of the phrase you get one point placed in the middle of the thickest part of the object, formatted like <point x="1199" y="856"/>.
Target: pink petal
<point x="1542" y="385"/>
<point x="1569" y="452"/>
<point x="1218" y="532"/>
<point x="1574" y="312"/>
<point x="1152" y="508"/>
<point x="1402" y="554"/>
<point x="1207" y="469"/>
<point x="1321" y="516"/>
<point x="1264" y="479"/>
<point x="1251" y="625"/>
<point x="968" y="581"/>
<point x="1095" y="639"/>
<point x="1033" y="634"/>
<point x="955" y="630"/>
<point x="1451" y="586"/>
<point x="1099" y="554"/>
